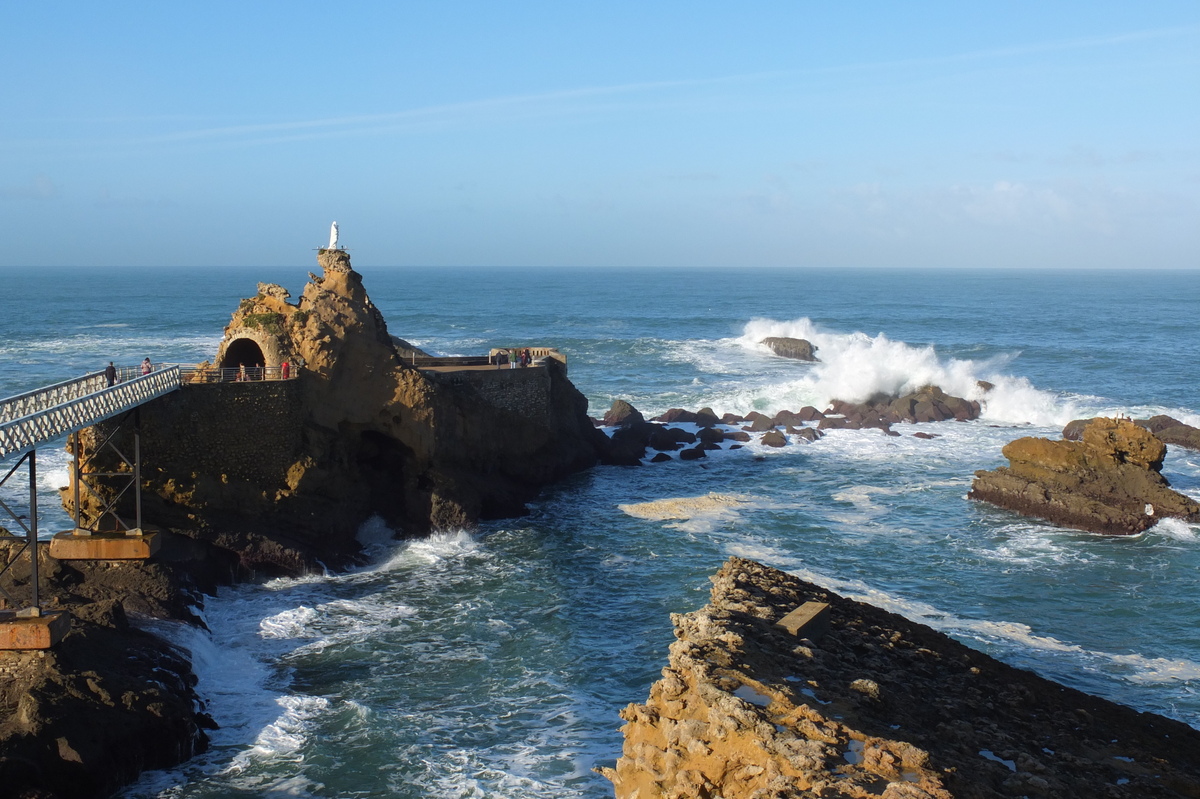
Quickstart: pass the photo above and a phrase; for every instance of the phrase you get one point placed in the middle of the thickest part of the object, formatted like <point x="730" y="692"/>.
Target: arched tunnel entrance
<point x="243" y="352"/>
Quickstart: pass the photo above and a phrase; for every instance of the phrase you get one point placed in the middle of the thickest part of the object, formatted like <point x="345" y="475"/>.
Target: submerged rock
<point x="876" y="705"/>
<point x="1109" y="481"/>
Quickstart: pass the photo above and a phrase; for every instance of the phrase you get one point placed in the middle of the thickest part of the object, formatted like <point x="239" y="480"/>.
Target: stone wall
<point x="246" y="431"/>
<point x="523" y="391"/>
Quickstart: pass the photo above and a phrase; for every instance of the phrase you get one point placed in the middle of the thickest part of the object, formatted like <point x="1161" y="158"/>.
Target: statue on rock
<point x="333" y="236"/>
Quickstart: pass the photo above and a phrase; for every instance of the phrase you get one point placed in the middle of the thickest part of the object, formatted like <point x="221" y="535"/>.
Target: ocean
<point x="493" y="662"/>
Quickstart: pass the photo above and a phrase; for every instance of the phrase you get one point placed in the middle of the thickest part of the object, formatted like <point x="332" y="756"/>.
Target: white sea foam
<point x="854" y="366"/>
<point x="1135" y="667"/>
<point x="1176" y="529"/>
<point x="374" y="533"/>
<point x="283" y="738"/>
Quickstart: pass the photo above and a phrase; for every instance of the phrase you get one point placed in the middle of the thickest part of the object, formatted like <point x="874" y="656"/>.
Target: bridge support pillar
<point x="23" y="629"/>
<point x="78" y="544"/>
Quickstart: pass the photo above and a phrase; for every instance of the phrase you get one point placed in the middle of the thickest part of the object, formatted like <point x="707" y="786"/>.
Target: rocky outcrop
<point x="283" y="473"/>
<point x="798" y="348"/>
<point x="1109" y="481"/>
<point x="110" y="700"/>
<point x="928" y="404"/>
<point x="876" y="706"/>
<point x="1165" y="428"/>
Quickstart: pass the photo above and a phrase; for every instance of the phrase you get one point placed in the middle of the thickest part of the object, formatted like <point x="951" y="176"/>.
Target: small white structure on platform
<point x="333" y="237"/>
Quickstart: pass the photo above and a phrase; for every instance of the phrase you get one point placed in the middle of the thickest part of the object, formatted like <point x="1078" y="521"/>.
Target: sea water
<point x="494" y="661"/>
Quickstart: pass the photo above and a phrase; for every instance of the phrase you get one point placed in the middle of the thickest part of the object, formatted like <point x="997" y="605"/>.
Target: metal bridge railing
<point x="54" y="411"/>
<point x="39" y="399"/>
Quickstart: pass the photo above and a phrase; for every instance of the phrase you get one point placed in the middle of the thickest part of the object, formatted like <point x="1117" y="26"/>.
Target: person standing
<point x="147" y="368"/>
<point x="110" y="374"/>
<point x="284" y="370"/>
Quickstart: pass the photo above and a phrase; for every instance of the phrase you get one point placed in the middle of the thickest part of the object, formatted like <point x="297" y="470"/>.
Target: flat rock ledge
<point x="878" y="706"/>
<point x="1109" y="481"/>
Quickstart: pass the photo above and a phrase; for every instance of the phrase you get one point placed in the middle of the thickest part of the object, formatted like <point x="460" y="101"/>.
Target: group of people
<point x="514" y="358"/>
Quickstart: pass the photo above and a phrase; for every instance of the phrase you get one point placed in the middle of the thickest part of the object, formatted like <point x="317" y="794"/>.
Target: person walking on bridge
<point x="110" y="374"/>
<point x="147" y="367"/>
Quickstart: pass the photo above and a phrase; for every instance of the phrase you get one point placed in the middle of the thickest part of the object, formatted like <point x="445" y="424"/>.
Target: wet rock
<point x="797" y="348"/>
<point x="773" y="438"/>
<point x="622" y="414"/>
<point x="679" y="415"/>
<point x="1109" y="481"/>
<point x="759" y="422"/>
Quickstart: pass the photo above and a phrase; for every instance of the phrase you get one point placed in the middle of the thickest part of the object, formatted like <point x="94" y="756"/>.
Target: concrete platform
<point x="77" y="545"/>
<point x="810" y="620"/>
<point x="20" y="631"/>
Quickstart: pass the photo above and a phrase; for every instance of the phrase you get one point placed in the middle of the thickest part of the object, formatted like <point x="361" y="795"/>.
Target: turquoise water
<point x="493" y="662"/>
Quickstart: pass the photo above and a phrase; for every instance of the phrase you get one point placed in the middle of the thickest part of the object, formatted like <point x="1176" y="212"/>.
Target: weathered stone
<point x="773" y="438"/>
<point x="880" y="706"/>
<point x="797" y="348"/>
<point x="1167" y="429"/>
<point x="622" y="413"/>
<point x="1108" y="482"/>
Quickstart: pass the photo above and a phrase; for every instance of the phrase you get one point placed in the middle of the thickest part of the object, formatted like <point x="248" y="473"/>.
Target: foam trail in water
<point x="1141" y="669"/>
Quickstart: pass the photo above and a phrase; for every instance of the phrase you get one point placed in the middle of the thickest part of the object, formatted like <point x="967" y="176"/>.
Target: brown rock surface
<point x="1166" y="428"/>
<point x="877" y="707"/>
<point x="1108" y="482"/>
<point x="798" y="348"/>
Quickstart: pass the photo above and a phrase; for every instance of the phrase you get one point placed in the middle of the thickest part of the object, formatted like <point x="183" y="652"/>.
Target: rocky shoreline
<point x="873" y="705"/>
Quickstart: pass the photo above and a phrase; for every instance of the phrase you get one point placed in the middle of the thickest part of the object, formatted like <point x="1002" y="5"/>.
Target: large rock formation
<point x="878" y="706"/>
<point x="1110" y="481"/>
<point x="282" y="472"/>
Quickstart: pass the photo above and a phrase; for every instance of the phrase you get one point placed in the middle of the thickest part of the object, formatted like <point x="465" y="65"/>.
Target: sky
<point x="939" y="134"/>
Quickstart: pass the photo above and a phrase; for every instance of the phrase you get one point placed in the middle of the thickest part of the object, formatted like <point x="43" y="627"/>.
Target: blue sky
<point x="615" y="134"/>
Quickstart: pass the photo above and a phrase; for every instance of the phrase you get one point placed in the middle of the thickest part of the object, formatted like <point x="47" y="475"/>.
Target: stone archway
<point x="243" y="352"/>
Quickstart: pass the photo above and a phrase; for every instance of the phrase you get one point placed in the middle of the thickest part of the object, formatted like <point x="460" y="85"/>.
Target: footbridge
<point x="36" y="418"/>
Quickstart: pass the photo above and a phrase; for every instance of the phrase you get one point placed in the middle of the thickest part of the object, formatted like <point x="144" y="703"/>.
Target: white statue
<point x="333" y="233"/>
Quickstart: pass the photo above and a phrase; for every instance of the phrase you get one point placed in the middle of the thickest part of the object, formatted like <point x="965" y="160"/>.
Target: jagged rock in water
<point x="928" y="404"/>
<point x="876" y="706"/>
<point x="797" y="348"/>
<point x="622" y="413"/>
<point x="1109" y="481"/>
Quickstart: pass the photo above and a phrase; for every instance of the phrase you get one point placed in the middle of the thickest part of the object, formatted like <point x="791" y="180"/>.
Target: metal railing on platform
<point x="36" y="417"/>
<point x="246" y="374"/>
